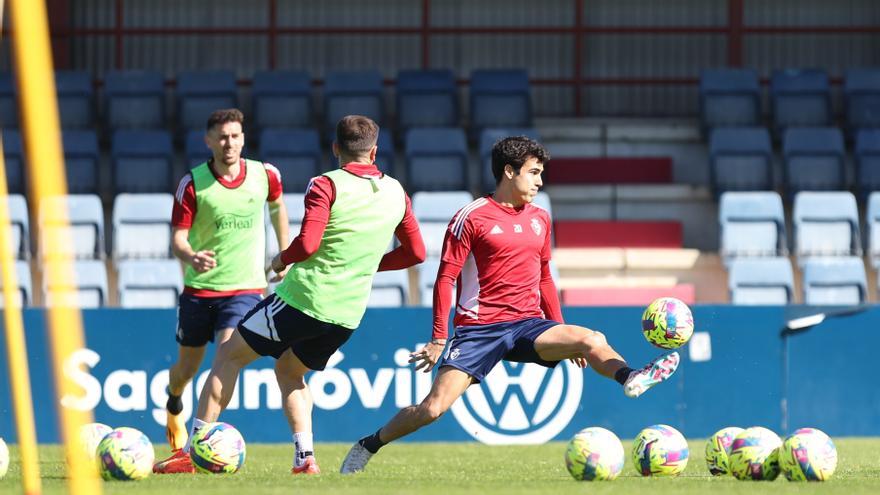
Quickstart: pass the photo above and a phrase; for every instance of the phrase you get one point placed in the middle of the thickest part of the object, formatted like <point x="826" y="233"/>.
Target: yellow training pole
<point x="42" y="139"/>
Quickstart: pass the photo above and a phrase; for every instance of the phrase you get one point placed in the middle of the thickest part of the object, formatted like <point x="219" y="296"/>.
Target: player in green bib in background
<point x="351" y="215"/>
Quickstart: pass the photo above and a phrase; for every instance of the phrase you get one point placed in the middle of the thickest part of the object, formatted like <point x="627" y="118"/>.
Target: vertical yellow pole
<point x="42" y="139"/>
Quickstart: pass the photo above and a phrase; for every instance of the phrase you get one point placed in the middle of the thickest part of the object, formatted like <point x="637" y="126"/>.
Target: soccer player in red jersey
<point x="497" y="250"/>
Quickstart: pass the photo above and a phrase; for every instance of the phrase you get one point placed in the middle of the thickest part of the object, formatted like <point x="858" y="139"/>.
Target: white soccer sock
<point x="197" y="425"/>
<point x="303" y="443"/>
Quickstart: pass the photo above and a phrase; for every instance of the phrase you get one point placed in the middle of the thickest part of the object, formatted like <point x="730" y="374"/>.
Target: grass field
<point x="463" y="468"/>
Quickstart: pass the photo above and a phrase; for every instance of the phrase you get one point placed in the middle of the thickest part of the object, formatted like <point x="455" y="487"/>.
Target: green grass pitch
<point x="445" y="468"/>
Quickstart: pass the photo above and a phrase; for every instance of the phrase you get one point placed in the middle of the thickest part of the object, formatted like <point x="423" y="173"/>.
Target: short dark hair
<point x="223" y="116"/>
<point x="356" y="134"/>
<point x="515" y="151"/>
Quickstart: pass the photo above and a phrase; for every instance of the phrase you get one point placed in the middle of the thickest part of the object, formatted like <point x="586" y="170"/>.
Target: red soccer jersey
<point x="502" y="253"/>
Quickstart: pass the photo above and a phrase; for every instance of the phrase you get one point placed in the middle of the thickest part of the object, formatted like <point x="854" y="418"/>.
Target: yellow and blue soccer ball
<point x="594" y="454"/>
<point x="90" y="435"/>
<point x="718" y="450"/>
<point x="4" y="458"/>
<point x="808" y="455"/>
<point x="660" y="450"/>
<point x="754" y="455"/>
<point x="217" y="448"/>
<point x="668" y="323"/>
<point x="125" y="454"/>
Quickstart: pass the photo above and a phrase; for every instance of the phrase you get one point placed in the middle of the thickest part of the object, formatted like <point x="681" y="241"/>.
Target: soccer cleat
<point x="656" y="371"/>
<point x="179" y="462"/>
<point x="175" y="430"/>
<point x="356" y="460"/>
<point x="309" y="466"/>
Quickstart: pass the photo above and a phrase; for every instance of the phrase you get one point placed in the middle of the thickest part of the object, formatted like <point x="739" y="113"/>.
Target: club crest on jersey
<point x="454" y="354"/>
<point x="536" y="226"/>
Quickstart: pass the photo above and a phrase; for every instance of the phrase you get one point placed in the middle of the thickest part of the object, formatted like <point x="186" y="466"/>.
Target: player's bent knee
<point x="594" y="340"/>
<point x="430" y="412"/>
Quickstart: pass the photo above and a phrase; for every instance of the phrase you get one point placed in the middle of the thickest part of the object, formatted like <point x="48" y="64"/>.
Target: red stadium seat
<point x="609" y="170"/>
<point x="594" y="233"/>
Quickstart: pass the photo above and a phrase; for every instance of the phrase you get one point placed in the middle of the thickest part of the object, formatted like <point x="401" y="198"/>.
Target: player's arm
<point x="549" y="295"/>
<point x="412" y="247"/>
<point x="318" y="200"/>
<point x="277" y="212"/>
<point x="183" y="213"/>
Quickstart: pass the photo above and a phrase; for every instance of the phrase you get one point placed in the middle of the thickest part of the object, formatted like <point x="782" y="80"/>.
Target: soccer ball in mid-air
<point x="660" y="450"/>
<point x="668" y="323"/>
<point x="594" y="454"/>
<point x="4" y="458"/>
<point x="217" y="448"/>
<point x="125" y="454"/>
<point x="808" y="455"/>
<point x="718" y="450"/>
<point x="90" y="435"/>
<point x="754" y="454"/>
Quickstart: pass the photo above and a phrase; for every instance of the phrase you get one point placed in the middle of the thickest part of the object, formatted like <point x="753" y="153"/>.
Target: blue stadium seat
<point x="81" y="161"/>
<point x="488" y="138"/>
<point x="89" y="290"/>
<point x="24" y="296"/>
<point x="437" y="159"/>
<point x="142" y="225"/>
<point x="499" y="98"/>
<point x="13" y="155"/>
<point x="761" y="281"/>
<point x="390" y="289"/>
<point x="142" y="161"/>
<point x="427" y="276"/>
<point x="282" y="99"/>
<point x="295" y="152"/>
<point x="149" y="283"/>
<point x="861" y="95"/>
<point x="201" y="92"/>
<point x="195" y="149"/>
<point x="434" y="211"/>
<point x="426" y="98"/>
<point x="835" y="281"/>
<point x="867" y="158"/>
<point x="18" y="219"/>
<point x="85" y="239"/>
<point x="814" y="159"/>
<point x="800" y="98"/>
<point x="353" y="93"/>
<point x="740" y="159"/>
<point x="134" y="99"/>
<point x="752" y="224"/>
<point x="385" y="152"/>
<point x="729" y="98"/>
<point x="76" y="106"/>
<point x="826" y="224"/>
<point x="872" y="223"/>
<point x="8" y="104"/>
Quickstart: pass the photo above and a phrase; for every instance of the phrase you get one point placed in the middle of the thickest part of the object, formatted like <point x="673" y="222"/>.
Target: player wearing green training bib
<point x="351" y="215"/>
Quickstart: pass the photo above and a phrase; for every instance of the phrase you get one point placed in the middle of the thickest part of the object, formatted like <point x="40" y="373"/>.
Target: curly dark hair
<point x="515" y="151"/>
<point x="223" y="116"/>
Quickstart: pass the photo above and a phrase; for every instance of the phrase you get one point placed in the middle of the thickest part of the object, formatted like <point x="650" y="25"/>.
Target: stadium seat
<point x="437" y="159"/>
<point x="434" y="211"/>
<point x="353" y="93"/>
<point x="872" y="223"/>
<point x="142" y="161"/>
<point x="826" y="224"/>
<point x="282" y="99"/>
<point x="761" y="281"/>
<point x="867" y="158"/>
<point x="385" y="152"/>
<point x="24" y="296"/>
<point x="142" y="226"/>
<point x="740" y="159"/>
<point x="89" y="288"/>
<point x="81" y="161"/>
<point x="201" y="92"/>
<point x="390" y="289"/>
<point x="835" y="281"/>
<point x="426" y="98"/>
<point x="800" y="98"/>
<point x="85" y="239"/>
<point x="8" y="104"/>
<point x="499" y="98"/>
<point x="295" y="152"/>
<point x="729" y="98"/>
<point x="76" y="106"/>
<point x="488" y="138"/>
<point x="195" y="149"/>
<point x="861" y="95"/>
<point x="296" y="208"/>
<point x="752" y="224"/>
<point x="427" y="276"/>
<point x="18" y="219"/>
<point x="814" y="159"/>
<point x="149" y="283"/>
<point x="134" y="99"/>
<point x="13" y="155"/>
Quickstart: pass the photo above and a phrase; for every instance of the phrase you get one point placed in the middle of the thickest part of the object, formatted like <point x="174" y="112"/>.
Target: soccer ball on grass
<point x="90" y="435"/>
<point x="4" y="458"/>
<point x="125" y="454"/>
<point x="808" y="455"/>
<point x="668" y="323"/>
<point x="718" y="450"/>
<point x="594" y="454"/>
<point x="660" y="450"/>
<point x="217" y="448"/>
<point x="754" y="455"/>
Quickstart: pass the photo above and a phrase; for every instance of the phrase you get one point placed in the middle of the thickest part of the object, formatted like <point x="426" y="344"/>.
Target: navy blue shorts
<point x="477" y="349"/>
<point x="272" y="327"/>
<point x="199" y="318"/>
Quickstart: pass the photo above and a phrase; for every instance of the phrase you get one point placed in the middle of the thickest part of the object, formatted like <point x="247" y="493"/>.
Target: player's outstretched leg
<point x="658" y="370"/>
